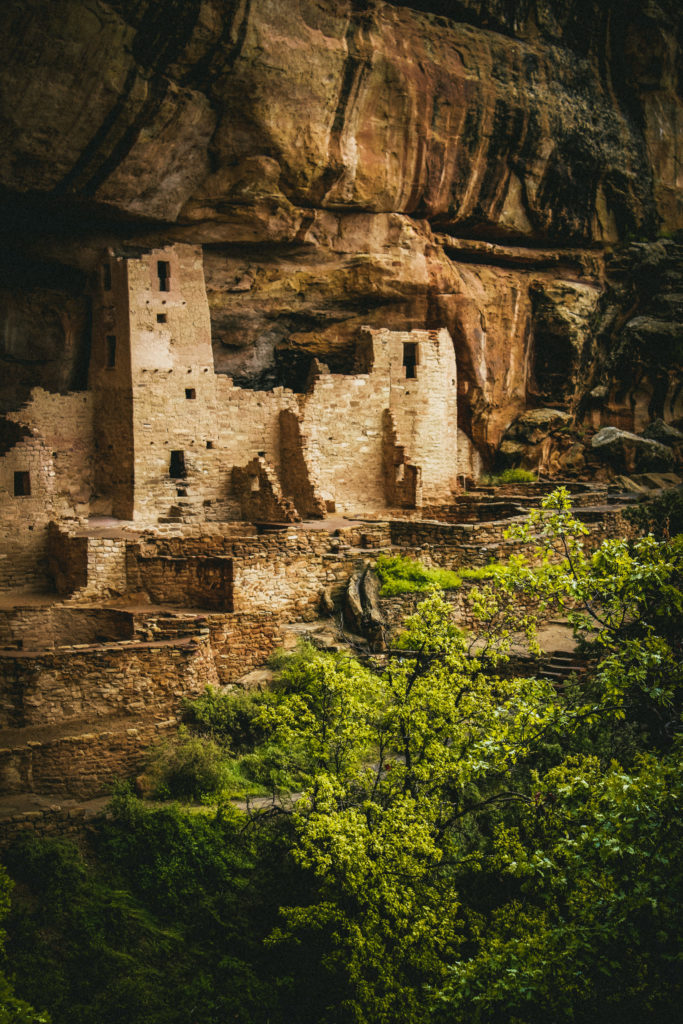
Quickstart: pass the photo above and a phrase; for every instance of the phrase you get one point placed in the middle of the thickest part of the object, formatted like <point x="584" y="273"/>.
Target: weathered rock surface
<point x="358" y="162"/>
<point x="627" y="452"/>
<point x="663" y="432"/>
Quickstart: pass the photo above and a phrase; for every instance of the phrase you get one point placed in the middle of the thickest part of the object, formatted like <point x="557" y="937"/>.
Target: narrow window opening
<point x="22" y="484"/>
<point x="190" y="393"/>
<point x="255" y="484"/>
<point x="161" y="318"/>
<point x="177" y="469"/>
<point x="110" y="354"/>
<point x="106" y="277"/>
<point x="164" y="275"/>
<point x="181" y="492"/>
<point x="209" y="444"/>
<point x="410" y="359"/>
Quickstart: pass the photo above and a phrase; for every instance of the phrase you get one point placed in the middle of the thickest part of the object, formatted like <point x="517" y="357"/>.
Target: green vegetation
<point x="662" y="516"/>
<point x="510" y="476"/>
<point x="441" y="843"/>
<point x="400" y="575"/>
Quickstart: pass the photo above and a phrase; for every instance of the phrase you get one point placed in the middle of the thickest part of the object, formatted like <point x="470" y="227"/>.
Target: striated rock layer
<point x="483" y="167"/>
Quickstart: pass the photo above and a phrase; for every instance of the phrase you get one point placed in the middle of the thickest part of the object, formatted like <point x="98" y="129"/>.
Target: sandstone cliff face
<point x="348" y="163"/>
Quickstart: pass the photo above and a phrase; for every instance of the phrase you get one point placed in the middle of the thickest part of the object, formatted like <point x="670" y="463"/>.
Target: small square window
<point x="190" y="393"/>
<point x="161" y="318"/>
<point x="209" y="444"/>
<point x="22" y="484"/>
<point x="181" y="492"/>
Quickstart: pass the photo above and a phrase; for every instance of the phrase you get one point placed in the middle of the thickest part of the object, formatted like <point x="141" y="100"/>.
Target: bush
<point x="661" y="516"/>
<point x="230" y="719"/>
<point x="191" y="768"/>
<point x="510" y="476"/>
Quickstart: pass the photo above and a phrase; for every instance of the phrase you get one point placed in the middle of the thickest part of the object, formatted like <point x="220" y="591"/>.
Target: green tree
<point x="12" y="1009"/>
<point x="485" y="848"/>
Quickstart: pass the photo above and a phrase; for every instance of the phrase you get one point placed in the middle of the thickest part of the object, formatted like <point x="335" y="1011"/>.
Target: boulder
<point x="663" y="432"/>
<point x="626" y="452"/>
<point x="536" y="424"/>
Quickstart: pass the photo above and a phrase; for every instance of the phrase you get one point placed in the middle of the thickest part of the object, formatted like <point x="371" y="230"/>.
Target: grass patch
<point x="510" y="476"/>
<point x="399" y="575"/>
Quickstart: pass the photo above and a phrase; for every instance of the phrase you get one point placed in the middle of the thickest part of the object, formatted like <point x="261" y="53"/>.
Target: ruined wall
<point x="44" y="628"/>
<point x="204" y="582"/>
<point x="73" y="720"/>
<point x="106" y="679"/>
<point x="55" y="465"/>
<point x="111" y="382"/>
<point x="411" y="374"/>
<point x="81" y="766"/>
<point x="423" y="403"/>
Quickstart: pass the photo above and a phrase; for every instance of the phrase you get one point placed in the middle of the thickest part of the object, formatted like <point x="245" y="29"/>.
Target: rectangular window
<point x="106" y="277"/>
<point x="22" y="484"/>
<point x="177" y="469"/>
<point x="110" y="354"/>
<point x="161" y="318"/>
<point x="164" y="275"/>
<point x="190" y="393"/>
<point x="209" y="444"/>
<point x="410" y="359"/>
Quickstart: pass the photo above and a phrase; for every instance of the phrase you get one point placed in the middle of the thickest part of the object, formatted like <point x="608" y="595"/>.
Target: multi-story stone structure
<point x="131" y="568"/>
<point x="160" y="436"/>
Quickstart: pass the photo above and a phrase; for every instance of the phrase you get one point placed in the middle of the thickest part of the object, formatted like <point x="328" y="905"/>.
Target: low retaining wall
<point x="92" y="682"/>
<point x="79" y="766"/>
<point x="55" y="822"/>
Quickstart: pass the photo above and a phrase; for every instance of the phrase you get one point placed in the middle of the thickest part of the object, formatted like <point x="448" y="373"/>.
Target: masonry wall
<point x="200" y="582"/>
<point x="72" y="720"/>
<point x="85" y="566"/>
<point x="99" y="680"/>
<point x="80" y="766"/>
<point x="281" y="574"/>
<point x="58" y="459"/>
<point x="44" y="628"/>
<point x="424" y="407"/>
<point x="111" y="383"/>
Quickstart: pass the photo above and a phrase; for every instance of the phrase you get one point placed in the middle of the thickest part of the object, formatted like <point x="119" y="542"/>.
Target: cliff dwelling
<point x="153" y="515"/>
<point x="159" y="437"/>
<point x="166" y="529"/>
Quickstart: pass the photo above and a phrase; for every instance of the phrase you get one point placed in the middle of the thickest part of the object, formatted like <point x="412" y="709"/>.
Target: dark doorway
<point x="177" y="469"/>
<point x="22" y="484"/>
<point x="111" y="352"/>
<point x="164" y="275"/>
<point x="410" y="359"/>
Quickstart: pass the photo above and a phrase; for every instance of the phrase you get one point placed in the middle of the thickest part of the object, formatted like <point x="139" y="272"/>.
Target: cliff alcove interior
<point x="281" y="285"/>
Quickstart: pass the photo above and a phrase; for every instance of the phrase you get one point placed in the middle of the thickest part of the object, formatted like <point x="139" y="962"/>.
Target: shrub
<point x="229" y="718"/>
<point x="661" y="516"/>
<point x="191" y="768"/>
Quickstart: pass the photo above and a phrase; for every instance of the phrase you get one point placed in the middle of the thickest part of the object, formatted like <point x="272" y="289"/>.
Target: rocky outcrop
<point x="633" y="362"/>
<point x="350" y="163"/>
<point x="629" y="453"/>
